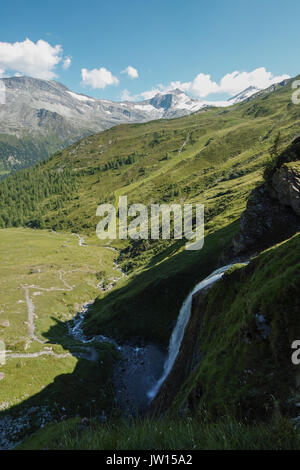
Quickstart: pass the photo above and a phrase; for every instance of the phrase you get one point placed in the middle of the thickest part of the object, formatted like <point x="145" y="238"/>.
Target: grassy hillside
<point x="198" y="157"/>
<point x="214" y="157"/>
<point x="45" y="279"/>
<point x="165" y="434"/>
<point x="236" y="398"/>
<point x="250" y="319"/>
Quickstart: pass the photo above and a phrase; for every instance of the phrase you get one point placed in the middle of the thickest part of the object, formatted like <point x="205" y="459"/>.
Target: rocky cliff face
<point x="235" y="356"/>
<point x="272" y="213"/>
<point x="286" y="186"/>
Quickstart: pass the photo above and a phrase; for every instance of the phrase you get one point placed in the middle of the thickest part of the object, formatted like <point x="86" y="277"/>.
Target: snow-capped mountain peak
<point x="243" y="95"/>
<point x="48" y="112"/>
<point x="175" y="102"/>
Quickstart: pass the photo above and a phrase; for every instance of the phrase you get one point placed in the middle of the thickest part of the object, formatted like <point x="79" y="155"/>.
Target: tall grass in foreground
<point x="166" y="434"/>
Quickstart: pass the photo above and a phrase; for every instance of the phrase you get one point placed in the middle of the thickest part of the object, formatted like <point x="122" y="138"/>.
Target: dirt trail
<point x="38" y="354"/>
<point x="90" y="353"/>
<point x="10" y="426"/>
<point x="30" y="304"/>
<point x="81" y="240"/>
<point x="183" y="145"/>
<point x="31" y="308"/>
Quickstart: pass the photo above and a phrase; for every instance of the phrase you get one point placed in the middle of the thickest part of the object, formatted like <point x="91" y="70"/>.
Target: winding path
<point x="38" y="354"/>
<point x="183" y="145"/>
<point x="91" y="353"/>
<point x="30" y="305"/>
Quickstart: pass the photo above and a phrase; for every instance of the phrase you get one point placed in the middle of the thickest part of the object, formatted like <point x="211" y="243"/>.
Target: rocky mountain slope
<point x="39" y="117"/>
<point x="273" y="209"/>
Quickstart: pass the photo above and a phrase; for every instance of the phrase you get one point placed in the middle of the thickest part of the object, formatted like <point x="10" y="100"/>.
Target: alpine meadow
<point x="138" y="343"/>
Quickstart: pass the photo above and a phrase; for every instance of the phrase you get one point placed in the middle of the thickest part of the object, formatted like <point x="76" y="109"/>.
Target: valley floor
<point x="51" y="371"/>
<point x="46" y="277"/>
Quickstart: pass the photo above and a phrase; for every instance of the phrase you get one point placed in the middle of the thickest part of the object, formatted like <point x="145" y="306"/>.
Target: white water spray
<point x="178" y="332"/>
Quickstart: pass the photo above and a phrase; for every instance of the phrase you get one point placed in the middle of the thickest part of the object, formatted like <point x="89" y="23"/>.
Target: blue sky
<point x="168" y="42"/>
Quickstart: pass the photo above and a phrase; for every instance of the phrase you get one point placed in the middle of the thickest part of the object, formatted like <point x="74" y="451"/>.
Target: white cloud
<point x="131" y="72"/>
<point x="67" y="63"/>
<point x="235" y="82"/>
<point x="2" y="72"/>
<point x="126" y="96"/>
<point x="231" y="84"/>
<point x="201" y="86"/>
<point x="147" y="95"/>
<point x="28" y="58"/>
<point x="98" y="78"/>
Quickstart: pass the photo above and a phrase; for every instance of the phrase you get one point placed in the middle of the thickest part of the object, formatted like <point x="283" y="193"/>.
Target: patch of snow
<point x="145" y="107"/>
<point x="80" y="97"/>
<point x="243" y="95"/>
<point x="184" y="102"/>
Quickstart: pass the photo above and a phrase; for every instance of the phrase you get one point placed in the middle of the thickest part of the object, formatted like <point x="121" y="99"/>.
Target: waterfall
<point x="178" y="332"/>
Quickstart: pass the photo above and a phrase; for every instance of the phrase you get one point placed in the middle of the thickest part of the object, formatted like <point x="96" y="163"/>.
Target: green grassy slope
<point x="250" y="319"/>
<point x="42" y="367"/>
<point x="165" y="160"/>
<point x="165" y="434"/>
<point x="214" y="157"/>
<point x="245" y="373"/>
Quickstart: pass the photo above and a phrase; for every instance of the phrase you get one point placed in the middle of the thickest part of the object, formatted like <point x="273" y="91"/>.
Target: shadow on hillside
<point x="144" y="310"/>
<point x="86" y="391"/>
<point x="146" y="307"/>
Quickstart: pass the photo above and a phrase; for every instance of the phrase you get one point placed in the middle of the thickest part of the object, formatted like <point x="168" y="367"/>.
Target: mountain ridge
<point x="217" y="158"/>
<point x="39" y="117"/>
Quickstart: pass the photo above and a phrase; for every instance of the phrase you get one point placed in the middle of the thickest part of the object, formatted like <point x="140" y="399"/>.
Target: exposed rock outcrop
<point x="272" y="213"/>
<point x="286" y="186"/>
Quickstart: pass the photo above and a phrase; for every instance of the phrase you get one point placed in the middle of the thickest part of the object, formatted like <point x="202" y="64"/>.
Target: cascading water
<point x="178" y="332"/>
<point x="140" y="367"/>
